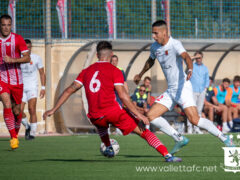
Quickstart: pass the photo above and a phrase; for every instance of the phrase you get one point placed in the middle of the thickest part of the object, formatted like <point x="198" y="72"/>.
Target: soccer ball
<point x="114" y="144"/>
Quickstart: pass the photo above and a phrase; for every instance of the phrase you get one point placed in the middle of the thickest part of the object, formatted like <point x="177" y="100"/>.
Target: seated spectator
<point x="140" y="100"/>
<point x="210" y="101"/>
<point x="221" y="92"/>
<point x="233" y="99"/>
<point x="114" y="61"/>
<point x="147" y="83"/>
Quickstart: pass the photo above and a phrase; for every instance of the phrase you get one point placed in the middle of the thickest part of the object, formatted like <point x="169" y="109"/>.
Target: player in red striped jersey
<point x="12" y="46"/>
<point x="100" y="80"/>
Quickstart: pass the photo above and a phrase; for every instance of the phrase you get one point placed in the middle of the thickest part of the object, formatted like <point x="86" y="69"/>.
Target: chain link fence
<point x="124" y="19"/>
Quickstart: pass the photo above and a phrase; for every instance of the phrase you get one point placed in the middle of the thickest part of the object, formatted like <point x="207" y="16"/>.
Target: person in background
<point x="140" y="100"/>
<point x="233" y="100"/>
<point x="114" y="61"/>
<point x="147" y="83"/>
<point x="200" y="82"/>
<point x="30" y="90"/>
<point x="209" y="103"/>
<point x="13" y="52"/>
<point x="221" y="93"/>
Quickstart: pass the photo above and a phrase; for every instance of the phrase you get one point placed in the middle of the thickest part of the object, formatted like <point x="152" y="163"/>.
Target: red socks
<point x="10" y="121"/>
<point x="103" y="133"/>
<point x="154" y="142"/>
<point x="18" y="121"/>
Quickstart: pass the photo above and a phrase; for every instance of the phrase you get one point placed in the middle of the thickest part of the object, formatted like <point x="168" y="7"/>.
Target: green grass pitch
<point x="78" y="157"/>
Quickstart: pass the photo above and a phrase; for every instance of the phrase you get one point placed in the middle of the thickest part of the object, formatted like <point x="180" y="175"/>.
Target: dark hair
<point x="159" y="23"/>
<point x="115" y="56"/>
<point x="142" y="85"/>
<point x="198" y="52"/>
<point x="103" y="45"/>
<point x="27" y="41"/>
<point x="211" y="78"/>
<point x="147" y="78"/>
<point x="236" y="78"/>
<point x="226" y="80"/>
<point x="5" y="16"/>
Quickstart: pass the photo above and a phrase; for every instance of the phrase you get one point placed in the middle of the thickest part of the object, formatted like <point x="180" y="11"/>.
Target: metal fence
<point x="131" y="19"/>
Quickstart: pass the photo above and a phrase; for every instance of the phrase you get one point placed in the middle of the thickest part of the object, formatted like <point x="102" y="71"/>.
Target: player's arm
<point x="124" y="97"/>
<point x="149" y="63"/>
<point x="189" y="64"/>
<point x="24" y="59"/>
<point x="126" y="86"/>
<point x="63" y="97"/>
<point x="43" y="82"/>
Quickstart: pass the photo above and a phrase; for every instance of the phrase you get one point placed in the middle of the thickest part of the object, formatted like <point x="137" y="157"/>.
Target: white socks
<point x="33" y="129"/>
<point x="231" y="123"/>
<point x="211" y="128"/>
<point x="165" y="127"/>
<point x="25" y="122"/>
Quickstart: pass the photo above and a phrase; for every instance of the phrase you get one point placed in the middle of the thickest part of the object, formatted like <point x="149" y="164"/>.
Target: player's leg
<point x="32" y="103"/>
<point x="192" y="114"/>
<point x="16" y="94"/>
<point x="103" y="133"/>
<point x="154" y="142"/>
<point x="18" y="116"/>
<point x="127" y="124"/>
<point x="9" y="119"/>
<point x="24" y="117"/>
<point x="162" y="104"/>
<point x="8" y="114"/>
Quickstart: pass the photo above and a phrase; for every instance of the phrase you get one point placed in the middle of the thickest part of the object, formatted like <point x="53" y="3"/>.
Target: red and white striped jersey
<point x="11" y="46"/>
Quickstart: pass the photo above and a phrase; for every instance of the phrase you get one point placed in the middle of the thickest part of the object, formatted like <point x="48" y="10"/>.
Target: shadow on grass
<point x="91" y="160"/>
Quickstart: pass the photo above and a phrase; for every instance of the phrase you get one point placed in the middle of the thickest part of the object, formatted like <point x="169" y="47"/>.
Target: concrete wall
<point x="62" y="52"/>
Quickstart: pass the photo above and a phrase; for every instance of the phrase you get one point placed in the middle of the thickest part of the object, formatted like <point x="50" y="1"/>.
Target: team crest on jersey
<point x="166" y="52"/>
<point x="159" y="52"/>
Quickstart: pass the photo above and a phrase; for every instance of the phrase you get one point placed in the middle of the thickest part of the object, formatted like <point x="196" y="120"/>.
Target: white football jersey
<point x="30" y="71"/>
<point x="171" y="63"/>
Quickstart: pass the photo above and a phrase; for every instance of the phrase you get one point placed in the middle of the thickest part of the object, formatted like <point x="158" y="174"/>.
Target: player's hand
<point x="137" y="79"/>
<point x="143" y="118"/>
<point x="42" y="93"/>
<point x="48" y="114"/>
<point x="8" y="59"/>
<point x="189" y="74"/>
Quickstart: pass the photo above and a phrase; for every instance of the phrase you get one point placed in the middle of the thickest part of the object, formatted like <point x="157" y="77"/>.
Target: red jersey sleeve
<point x="118" y="78"/>
<point x="79" y="79"/>
<point x="21" y="44"/>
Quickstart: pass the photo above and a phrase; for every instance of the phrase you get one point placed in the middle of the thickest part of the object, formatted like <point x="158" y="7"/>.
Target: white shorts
<point x="184" y="98"/>
<point x="29" y="94"/>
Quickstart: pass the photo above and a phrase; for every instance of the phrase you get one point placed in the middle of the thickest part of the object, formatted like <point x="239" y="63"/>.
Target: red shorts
<point x="119" y="118"/>
<point x="16" y="91"/>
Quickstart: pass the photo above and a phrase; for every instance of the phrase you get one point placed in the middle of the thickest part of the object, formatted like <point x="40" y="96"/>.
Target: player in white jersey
<point x="30" y="90"/>
<point x="170" y="54"/>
